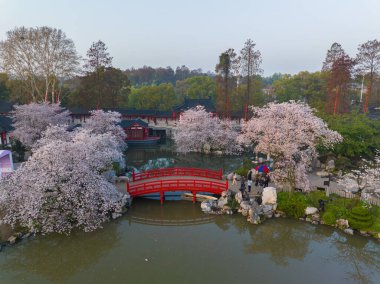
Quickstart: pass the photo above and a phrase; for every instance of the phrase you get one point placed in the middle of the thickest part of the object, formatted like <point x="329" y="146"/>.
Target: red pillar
<point x="133" y="176"/>
<point x="127" y="185"/>
<point x="194" y="196"/>
<point x="162" y="197"/>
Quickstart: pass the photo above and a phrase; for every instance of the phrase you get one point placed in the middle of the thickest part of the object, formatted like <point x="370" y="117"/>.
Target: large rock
<point x="245" y="205"/>
<point x="218" y="153"/>
<point x="349" y="231"/>
<point x="269" y="195"/>
<point x="206" y="148"/>
<point x="342" y="223"/>
<point x="222" y="201"/>
<point x="239" y="197"/>
<point x="322" y="174"/>
<point x="12" y="239"/>
<point x="253" y="214"/>
<point x="206" y="206"/>
<point x="311" y="210"/>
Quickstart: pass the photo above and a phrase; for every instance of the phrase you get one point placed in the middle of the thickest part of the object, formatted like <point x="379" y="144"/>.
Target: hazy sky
<point x="292" y="35"/>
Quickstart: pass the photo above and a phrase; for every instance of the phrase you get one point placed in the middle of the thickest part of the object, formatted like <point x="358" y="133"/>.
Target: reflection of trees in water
<point x="138" y="157"/>
<point x="362" y="256"/>
<point x="281" y="242"/>
<point x="58" y="257"/>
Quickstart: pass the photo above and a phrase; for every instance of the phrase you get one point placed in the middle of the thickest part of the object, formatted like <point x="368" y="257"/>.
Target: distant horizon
<point x="292" y="35"/>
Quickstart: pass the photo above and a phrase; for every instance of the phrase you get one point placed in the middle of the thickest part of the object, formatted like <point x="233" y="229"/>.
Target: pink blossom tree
<point x="289" y="132"/>
<point x="102" y="122"/>
<point x="29" y="121"/>
<point x="365" y="180"/>
<point x="200" y="131"/>
<point x="61" y="186"/>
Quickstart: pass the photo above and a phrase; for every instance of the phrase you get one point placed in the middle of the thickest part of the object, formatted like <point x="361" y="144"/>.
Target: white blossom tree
<point x="200" y="131"/>
<point x="288" y="132"/>
<point x="61" y="186"/>
<point x="102" y="122"/>
<point x="365" y="180"/>
<point x="29" y="121"/>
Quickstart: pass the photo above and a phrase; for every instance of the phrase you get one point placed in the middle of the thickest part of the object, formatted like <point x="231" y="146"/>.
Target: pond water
<point x="177" y="243"/>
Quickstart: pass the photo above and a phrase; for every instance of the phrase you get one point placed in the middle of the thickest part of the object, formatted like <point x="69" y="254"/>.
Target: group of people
<point x="261" y="179"/>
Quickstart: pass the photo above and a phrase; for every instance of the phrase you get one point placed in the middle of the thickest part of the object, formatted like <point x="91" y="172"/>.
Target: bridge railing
<point x="196" y="172"/>
<point x="216" y="187"/>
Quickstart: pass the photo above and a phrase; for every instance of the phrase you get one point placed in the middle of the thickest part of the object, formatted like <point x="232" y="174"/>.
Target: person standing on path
<point x="249" y="183"/>
<point x="234" y="179"/>
<point x="242" y="186"/>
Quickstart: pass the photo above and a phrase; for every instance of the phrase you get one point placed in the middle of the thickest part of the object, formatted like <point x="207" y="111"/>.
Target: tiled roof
<point x="5" y="107"/>
<point x="191" y="103"/>
<point x="5" y="123"/>
<point x="128" y="123"/>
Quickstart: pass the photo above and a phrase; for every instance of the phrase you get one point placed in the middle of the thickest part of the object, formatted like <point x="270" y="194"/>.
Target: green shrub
<point x="360" y="218"/>
<point x="233" y="204"/>
<point x="329" y="218"/>
<point x="313" y="197"/>
<point x="242" y="171"/>
<point x="293" y="204"/>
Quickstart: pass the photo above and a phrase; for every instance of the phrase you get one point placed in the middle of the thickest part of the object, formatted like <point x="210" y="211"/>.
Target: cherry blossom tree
<point x="102" y="122"/>
<point x="61" y="186"/>
<point x="200" y="131"/>
<point x="31" y="120"/>
<point x="289" y="132"/>
<point x="365" y="180"/>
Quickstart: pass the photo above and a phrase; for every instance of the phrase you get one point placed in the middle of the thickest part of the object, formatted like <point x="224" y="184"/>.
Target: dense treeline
<point x="146" y="75"/>
<point x="52" y="71"/>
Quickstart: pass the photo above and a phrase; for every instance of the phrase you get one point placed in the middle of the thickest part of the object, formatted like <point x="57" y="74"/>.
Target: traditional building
<point x="137" y="132"/>
<point x="5" y="122"/>
<point x="192" y="103"/>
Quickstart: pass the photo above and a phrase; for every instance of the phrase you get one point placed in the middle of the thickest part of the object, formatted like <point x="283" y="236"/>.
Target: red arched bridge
<point x="160" y="181"/>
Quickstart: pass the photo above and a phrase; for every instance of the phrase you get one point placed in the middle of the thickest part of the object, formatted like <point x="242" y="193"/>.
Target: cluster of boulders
<point x="255" y="209"/>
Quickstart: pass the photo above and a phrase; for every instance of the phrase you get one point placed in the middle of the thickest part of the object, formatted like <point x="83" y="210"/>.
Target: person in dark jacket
<point x="242" y="186"/>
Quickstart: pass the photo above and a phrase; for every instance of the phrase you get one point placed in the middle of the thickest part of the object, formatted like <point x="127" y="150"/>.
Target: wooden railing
<point x="167" y="172"/>
<point x="216" y="187"/>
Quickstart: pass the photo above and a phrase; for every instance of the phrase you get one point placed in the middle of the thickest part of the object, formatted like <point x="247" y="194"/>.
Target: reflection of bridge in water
<point x="170" y="222"/>
<point x="192" y="180"/>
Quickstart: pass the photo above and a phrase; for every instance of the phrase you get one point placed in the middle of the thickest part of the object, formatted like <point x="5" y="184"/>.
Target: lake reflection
<point x="177" y="243"/>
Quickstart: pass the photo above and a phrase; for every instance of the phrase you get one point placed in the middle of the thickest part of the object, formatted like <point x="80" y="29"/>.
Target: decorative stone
<point x="222" y="201"/>
<point x="349" y="231"/>
<point x="115" y="215"/>
<point x="218" y="153"/>
<point x="308" y="219"/>
<point x="310" y="210"/>
<point x="12" y="240"/>
<point x="269" y="195"/>
<point x="239" y="197"/>
<point x="244" y="212"/>
<point x="206" y="148"/>
<point x="342" y="223"/>
<point x="315" y="222"/>
<point x="364" y="233"/>
<point x="245" y="205"/>
<point x="27" y="235"/>
<point x="315" y="217"/>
